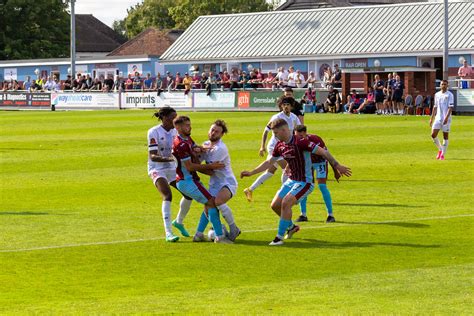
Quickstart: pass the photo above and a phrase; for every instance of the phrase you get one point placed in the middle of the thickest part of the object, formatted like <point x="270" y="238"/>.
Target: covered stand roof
<point x="344" y="32"/>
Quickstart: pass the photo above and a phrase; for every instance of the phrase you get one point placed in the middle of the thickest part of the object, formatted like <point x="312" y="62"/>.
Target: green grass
<point x="75" y="184"/>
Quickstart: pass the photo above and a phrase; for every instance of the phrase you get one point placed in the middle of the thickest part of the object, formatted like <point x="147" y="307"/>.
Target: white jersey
<point x="291" y="119"/>
<point x="161" y="140"/>
<point x="224" y="176"/>
<point x="443" y="101"/>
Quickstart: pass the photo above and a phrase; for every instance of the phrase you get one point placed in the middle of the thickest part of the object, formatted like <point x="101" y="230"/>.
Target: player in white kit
<point x="222" y="183"/>
<point x="441" y="118"/>
<point x="162" y="170"/>
<point x="293" y="121"/>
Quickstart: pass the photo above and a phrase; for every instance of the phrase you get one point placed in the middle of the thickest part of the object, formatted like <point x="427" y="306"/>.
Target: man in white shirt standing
<point x="441" y="118"/>
<point x="222" y="184"/>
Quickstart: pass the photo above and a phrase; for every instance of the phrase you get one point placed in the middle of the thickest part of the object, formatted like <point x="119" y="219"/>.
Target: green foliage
<point x="75" y="183"/>
<point x="119" y="27"/>
<point x="38" y="29"/>
<point x="170" y="14"/>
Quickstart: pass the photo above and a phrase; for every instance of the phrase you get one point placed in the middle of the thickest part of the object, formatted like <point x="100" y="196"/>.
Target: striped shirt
<point x="182" y="151"/>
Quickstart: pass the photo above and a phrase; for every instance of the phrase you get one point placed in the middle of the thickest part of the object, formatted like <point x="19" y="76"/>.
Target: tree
<point x="34" y="30"/>
<point x="119" y="27"/>
<point x="150" y="13"/>
<point x="186" y="11"/>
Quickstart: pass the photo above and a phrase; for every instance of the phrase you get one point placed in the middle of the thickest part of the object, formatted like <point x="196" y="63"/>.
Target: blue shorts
<point x="298" y="189"/>
<point x="321" y="169"/>
<point x="195" y="190"/>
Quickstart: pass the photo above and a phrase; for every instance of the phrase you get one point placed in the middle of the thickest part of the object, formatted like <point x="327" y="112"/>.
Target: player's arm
<point x="433" y="113"/>
<point x="450" y="109"/>
<point x="264" y="140"/>
<point x="260" y="168"/>
<point x="339" y="170"/>
<point x="203" y="168"/>
<point x="154" y="156"/>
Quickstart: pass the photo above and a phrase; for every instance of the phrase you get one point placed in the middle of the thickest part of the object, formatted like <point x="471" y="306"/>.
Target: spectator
<point x="196" y="80"/>
<point x="187" y="83"/>
<point x="300" y="80"/>
<point x="260" y="77"/>
<point x="282" y="77"/>
<point x="169" y="81"/>
<point x="464" y="72"/>
<point x="368" y="106"/>
<point x="268" y="82"/>
<point x="210" y="83"/>
<point x="398" y="87"/>
<point x="337" y="77"/>
<point x="388" y="94"/>
<point x="40" y="82"/>
<point x="108" y="84"/>
<point x="244" y="80"/>
<point x="291" y="77"/>
<point x="68" y="84"/>
<point x="234" y="79"/>
<point x="333" y="101"/>
<point x="77" y="83"/>
<point x="27" y="83"/>
<point x="119" y="85"/>
<point x="33" y="86"/>
<point x="49" y="84"/>
<point x="158" y="86"/>
<point x="353" y="102"/>
<point x="203" y="80"/>
<point x="309" y="97"/>
<point x="178" y="82"/>
<point x="327" y="78"/>
<point x="253" y="80"/>
<point x="129" y="82"/>
<point x="148" y="83"/>
<point x="311" y="81"/>
<point x="88" y="83"/>
<point x="96" y="85"/>
<point x="378" y="86"/>
<point x="56" y="84"/>
<point x="137" y="82"/>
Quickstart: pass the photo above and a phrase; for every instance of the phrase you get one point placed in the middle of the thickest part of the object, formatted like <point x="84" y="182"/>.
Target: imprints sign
<point x="10" y="74"/>
<point x="133" y="68"/>
<point x="152" y="100"/>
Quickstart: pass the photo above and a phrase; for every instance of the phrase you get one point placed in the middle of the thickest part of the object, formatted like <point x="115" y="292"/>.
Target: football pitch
<point x="81" y="228"/>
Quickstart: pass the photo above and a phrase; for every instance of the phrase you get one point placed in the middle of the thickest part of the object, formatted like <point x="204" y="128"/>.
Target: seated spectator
<point x="148" y="83"/>
<point x="368" y="106"/>
<point x="137" y="81"/>
<point x="353" y="102"/>
<point x="187" y="83"/>
<point x="27" y="83"/>
<point x="68" y="83"/>
<point x="299" y="78"/>
<point x="333" y="101"/>
<point x="310" y="96"/>
<point x="158" y="86"/>
<point x="269" y="81"/>
<point x="108" y="84"/>
<point x="129" y="82"/>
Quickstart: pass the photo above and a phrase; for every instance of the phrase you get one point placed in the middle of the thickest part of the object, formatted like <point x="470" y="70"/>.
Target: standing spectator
<point x="397" y="98"/>
<point x="300" y="81"/>
<point x="56" y="84"/>
<point x="244" y="80"/>
<point x="378" y="86"/>
<point x="40" y="82"/>
<point x="203" y="80"/>
<point x="225" y="80"/>
<point x="268" y="82"/>
<point x="196" y="80"/>
<point x="337" y="77"/>
<point x="178" y="82"/>
<point x="68" y="83"/>
<point x="158" y="86"/>
<point x="27" y="83"/>
<point x="253" y="81"/>
<point x="311" y="81"/>
<point x="88" y="83"/>
<point x="260" y="77"/>
<point x="169" y="81"/>
<point x="282" y="77"/>
<point x="129" y="83"/>
<point x="48" y="86"/>
<point x="148" y="83"/>
<point x="292" y="77"/>
<point x="210" y="83"/>
<point x="119" y="85"/>
<point x="77" y="83"/>
<point x="187" y="83"/>
<point x="388" y="94"/>
<point x="333" y="101"/>
<point x="108" y="84"/>
<point x="96" y="85"/>
<point x="327" y="78"/>
<point x="464" y="72"/>
<point x="137" y="82"/>
<point x="234" y="79"/>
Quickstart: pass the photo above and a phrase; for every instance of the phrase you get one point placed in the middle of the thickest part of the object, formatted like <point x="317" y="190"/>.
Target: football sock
<point x="260" y="180"/>
<point x="445" y="146"/>
<point x="203" y="221"/>
<point x="436" y="142"/>
<point x="303" y="206"/>
<point x="166" y="212"/>
<point x="283" y="226"/>
<point x="227" y="214"/>
<point x="184" y="206"/>
<point x="284" y="177"/>
<point x="215" y="220"/>
<point x="326" y="197"/>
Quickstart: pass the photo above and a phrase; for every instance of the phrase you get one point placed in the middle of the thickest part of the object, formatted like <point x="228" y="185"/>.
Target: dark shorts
<point x="378" y="98"/>
<point x="388" y="97"/>
<point x="397" y="98"/>
<point x="369" y="109"/>
<point x="297" y="112"/>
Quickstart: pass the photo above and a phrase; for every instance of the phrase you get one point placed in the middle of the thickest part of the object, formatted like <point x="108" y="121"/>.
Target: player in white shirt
<point x="292" y="121"/>
<point x="222" y="184"/>
<point x="441" y="118"/>
<point x="162" y="170"/>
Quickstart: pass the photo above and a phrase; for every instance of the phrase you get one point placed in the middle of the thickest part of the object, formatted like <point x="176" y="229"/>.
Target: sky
<point x="106" y="10"/>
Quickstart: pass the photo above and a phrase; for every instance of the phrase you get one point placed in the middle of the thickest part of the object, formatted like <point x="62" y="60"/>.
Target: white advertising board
<point x="10" y="74"/>
<point x="85" y="100"/>
<point x="152" y="100"/>
<point x="215" y="100"/>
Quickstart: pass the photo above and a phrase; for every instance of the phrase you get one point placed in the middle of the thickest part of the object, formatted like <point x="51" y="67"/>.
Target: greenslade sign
<point x="260" y="99"/>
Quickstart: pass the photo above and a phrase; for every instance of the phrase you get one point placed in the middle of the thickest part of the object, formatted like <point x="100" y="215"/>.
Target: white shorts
<point x="168" y="174"/>
<point x="216" y="188"/>
<point x="439" y="125"/>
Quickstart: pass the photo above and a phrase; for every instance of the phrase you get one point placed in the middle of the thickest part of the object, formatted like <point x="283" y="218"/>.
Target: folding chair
<point x="408" y="102"/>
<point x="418" y="104"/>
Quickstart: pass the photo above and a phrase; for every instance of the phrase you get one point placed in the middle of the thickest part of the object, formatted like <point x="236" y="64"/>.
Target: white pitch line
<point x="247" y="231"/>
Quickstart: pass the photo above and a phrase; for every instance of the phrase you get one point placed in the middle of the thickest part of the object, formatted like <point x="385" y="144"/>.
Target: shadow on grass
<point x="374" y="180"/>
<point x="28" y="213"/>
<point x="23" y="149"/>
<point x="314" y="243"/>
<point x="398" y="224"/>
<point x="374" y="205"/>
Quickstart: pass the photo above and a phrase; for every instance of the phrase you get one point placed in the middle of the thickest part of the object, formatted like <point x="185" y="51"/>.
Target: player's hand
<point x="262" y="151"/>
<point x="337" y="175"/>
<point x="216" y="165"/>
<point x="245" y="174"/>
<point x="431" y="122"/>
<point x="445" y="120"/>
<point x="344" y="171"/>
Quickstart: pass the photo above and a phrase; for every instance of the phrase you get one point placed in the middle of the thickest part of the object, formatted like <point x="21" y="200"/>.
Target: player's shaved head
<point x="181" y="119"/>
